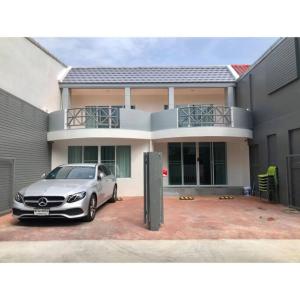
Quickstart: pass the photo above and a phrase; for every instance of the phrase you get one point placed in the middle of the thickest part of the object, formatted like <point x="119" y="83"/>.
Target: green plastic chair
<point x="268" y="182"/>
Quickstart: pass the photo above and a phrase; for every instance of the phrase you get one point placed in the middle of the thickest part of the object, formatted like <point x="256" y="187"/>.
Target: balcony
<point x="183" y="121"/>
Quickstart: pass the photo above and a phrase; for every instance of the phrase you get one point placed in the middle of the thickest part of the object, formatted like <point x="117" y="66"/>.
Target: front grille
<point x="52" y="201"/>
<point x="70" y="212"/>
<point x="59" y="198"/>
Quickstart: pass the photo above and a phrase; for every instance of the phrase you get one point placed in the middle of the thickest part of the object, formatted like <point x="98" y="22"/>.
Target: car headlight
<point x="19" y="198"/>
<point x="76" y="197"/>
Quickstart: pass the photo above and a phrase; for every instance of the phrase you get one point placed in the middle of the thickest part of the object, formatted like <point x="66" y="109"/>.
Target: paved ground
<point x="202" y="218"/>
<point x="152" y="251"/>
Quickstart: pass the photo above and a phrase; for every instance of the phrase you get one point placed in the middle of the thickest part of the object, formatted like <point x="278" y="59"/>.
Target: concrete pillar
<point x="150" y="145"/>
<point x="230" y="96"/>
<point x="65" y="98"/>
<point x="171" y="98"/>
<point x="127" y="98"/>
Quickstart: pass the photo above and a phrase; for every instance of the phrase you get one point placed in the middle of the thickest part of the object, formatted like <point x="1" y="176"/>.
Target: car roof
<point x="79" y="165"/>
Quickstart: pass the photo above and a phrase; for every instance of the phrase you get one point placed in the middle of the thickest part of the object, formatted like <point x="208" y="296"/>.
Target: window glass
<point x="108" y="157"/>
<point x="175" y="170"/>
<point x="70" y="172"/>
<point x="205" y="163"/>
<point x="189" y="163"/>
<point x="74" y="154"/>
<point x="123" y="161"/>
<point x="219" y="163"/>
<point x="90" y="154"/>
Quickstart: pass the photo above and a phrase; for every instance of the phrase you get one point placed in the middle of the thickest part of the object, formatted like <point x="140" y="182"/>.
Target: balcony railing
<point x="94" y="117"/>
<point x="204" y="115"/>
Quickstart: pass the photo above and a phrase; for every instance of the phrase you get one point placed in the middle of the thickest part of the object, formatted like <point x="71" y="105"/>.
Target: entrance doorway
<point x="202" y="163"/>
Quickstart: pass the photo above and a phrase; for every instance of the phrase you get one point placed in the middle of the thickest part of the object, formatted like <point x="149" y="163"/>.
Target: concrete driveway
<point x="206" y="229"/>
<point x="202" y="218"/>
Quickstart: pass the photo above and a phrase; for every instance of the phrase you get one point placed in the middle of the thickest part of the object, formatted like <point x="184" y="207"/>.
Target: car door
<point x="101" y="186"/>
<point x="105" y="182"/>
<point x="111" y="182"/>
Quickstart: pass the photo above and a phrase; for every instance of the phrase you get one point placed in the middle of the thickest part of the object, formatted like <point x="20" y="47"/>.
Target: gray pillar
<point x="65" y="98"/>
<point x="230" y="96"/>
<point x="171" y="98"/>
<point x="127" y="98"/>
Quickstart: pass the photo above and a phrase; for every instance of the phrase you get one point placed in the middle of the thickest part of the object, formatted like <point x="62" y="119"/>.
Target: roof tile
<point x="149" y="75"/>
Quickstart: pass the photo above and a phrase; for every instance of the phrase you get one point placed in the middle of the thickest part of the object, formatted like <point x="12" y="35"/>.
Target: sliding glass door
<point x="175" y="166"/>
<point x="197" y="163"/>
<point x="189" y="163"/>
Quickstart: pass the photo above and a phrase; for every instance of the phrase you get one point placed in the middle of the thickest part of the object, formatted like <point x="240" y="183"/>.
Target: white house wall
<point x="127" y="186"/>
<point x="29" y="73"/>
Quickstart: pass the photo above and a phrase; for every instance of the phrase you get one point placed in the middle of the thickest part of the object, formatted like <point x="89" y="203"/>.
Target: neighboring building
<point x="113" y="115"/>
<point x="28" y="89"/>
<point x="271" y="90"/>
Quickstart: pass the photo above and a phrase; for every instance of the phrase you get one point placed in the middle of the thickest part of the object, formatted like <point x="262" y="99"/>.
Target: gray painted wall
<point x="273" y="113"/>
<point x="23" y="136"/>
<point x="165" y="119"/>
<point x="56" y="120"/>
<point x="135" y="119"/>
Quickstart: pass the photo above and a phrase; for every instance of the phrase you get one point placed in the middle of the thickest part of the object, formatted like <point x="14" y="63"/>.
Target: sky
<point x="87" y="52"/>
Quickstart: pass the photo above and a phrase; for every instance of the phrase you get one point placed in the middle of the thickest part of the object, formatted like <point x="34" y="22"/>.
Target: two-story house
<point x="114" y="115"/>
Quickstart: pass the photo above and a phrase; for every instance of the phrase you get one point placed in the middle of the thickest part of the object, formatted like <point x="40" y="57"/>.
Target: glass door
<point x="189" y="163"/>
<point x="212" y="163"/>
<point x="204" y="160"/>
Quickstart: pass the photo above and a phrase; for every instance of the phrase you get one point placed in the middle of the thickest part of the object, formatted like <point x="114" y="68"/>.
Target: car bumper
<point x="73" y="210"/>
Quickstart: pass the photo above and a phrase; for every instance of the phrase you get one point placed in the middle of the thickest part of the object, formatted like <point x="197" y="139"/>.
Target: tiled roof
<point x="241" y="69"/>
<point x="149" y="75"/>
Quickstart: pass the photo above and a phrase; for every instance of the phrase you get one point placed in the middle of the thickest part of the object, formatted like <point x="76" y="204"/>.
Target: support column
<point x="230" y="96"/>
<point x="65" y="98"/>
<point x="150" y="145"/>
<point x="171" y="98"/>
<point x="127" y="98"/>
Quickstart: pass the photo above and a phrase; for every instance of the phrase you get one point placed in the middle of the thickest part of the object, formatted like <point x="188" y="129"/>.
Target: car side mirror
<point x="43" y="175"/>
<point x="100" y="176"/>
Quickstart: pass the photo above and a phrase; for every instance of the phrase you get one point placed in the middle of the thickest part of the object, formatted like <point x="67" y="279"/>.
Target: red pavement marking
<point x="202" y="218"/>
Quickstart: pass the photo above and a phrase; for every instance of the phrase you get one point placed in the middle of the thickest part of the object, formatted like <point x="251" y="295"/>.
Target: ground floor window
<point x="197" y="163"/>
<point x="116" y="158"/>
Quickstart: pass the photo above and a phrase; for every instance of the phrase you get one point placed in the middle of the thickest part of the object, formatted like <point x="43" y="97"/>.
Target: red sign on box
<point x="164" y="172"/>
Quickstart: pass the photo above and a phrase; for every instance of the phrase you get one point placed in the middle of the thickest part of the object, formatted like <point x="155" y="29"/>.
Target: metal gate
<point x="7" y="166"/>
<point x="293" y="170"/>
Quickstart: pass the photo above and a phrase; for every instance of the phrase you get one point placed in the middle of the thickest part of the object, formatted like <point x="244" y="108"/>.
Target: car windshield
<point x="72" y="172"/>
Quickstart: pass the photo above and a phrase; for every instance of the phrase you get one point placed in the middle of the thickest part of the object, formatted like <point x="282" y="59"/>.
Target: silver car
<point x="69" y="191"/>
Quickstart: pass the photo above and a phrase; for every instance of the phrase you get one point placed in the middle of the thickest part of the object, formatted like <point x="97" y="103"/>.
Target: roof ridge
<point x="152" y="67"/>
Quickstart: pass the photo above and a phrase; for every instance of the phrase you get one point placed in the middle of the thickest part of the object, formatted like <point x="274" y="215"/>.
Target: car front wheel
<point x="92" y="209"/>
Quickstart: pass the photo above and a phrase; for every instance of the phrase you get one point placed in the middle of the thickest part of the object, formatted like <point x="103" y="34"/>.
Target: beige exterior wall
<point x="126" y="186"/>
<point x="97" y="97"/>
<point x="151" y="100"/>
<point x="29" y="73"/>
<point x="146" y="99"/>
<point x="199" y="96"/>
<point x="238" y="169"/>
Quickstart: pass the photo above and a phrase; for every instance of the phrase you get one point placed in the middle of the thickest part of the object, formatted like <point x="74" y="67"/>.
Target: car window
<point x="107" y="170"/>
<point x="72" y="172"/>
<point x="101" y="169"/>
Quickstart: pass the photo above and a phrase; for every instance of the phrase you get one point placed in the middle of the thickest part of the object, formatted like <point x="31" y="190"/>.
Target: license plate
<point x="41" y="212"/>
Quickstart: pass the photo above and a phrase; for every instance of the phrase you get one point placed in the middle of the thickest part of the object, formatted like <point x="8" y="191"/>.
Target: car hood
<point x="56" y="187"/>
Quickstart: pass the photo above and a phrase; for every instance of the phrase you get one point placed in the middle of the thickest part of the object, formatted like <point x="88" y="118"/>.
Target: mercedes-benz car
<point x="68" y="191"/>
